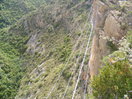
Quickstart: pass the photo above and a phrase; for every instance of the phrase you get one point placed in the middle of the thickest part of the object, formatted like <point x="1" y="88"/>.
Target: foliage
<point x="12" y="45"/>
<point x="10" y="71"/>
<point x="64" y="51"/>
<point x="112" y="46"/>
<point x="17" y="41"/>
<point x="12" y="10"/>
<point x="11" y="48"/>
<point x="129" y="38"/>
<point x="114" y="79"/>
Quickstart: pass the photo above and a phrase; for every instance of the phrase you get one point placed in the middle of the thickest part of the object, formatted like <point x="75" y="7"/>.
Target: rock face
<point x="109" y="24"/>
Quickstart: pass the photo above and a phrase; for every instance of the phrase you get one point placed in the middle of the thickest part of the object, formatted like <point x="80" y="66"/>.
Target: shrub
<point x="114" y="79"/>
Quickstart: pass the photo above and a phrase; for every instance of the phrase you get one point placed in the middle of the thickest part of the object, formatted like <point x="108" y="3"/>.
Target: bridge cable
<point x="59" y="76"/>
<point x="77" y="61"/>
<point x="82" y="65"/>
<point x="72" y="72"/>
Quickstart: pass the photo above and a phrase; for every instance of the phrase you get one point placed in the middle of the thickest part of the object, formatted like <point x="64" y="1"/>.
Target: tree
<point x="114" y="80"/>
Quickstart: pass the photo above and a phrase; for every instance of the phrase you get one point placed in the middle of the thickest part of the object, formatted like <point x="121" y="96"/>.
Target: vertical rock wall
<point x="108" y="24"/>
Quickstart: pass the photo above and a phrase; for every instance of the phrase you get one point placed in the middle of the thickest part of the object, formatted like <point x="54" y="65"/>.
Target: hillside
<point x="65" y="49"/>
<point x="12" y="10"/>
<point x="10" y="62"/>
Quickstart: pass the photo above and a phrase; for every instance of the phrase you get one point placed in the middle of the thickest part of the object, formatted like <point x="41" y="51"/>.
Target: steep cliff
<point x="51" y="43"/>
<point x="110" y="26"/>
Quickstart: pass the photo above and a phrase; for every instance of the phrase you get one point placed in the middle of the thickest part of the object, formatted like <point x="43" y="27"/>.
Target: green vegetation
<point x="63" y="52"/>
<point x="12" y="45"/>
<point x="10" y="71"/>
<point x="10" y="66"/>
<point x="129" y="37"/>
<point x="48" y="36"/>
<point x="16" y="41"/>
<point x="115" y="78"/>
<point x="12" y="10"/>
<point x="112" y="46"/>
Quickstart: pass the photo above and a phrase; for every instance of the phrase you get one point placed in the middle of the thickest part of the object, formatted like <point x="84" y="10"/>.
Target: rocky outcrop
<point x="109" y="26"/>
